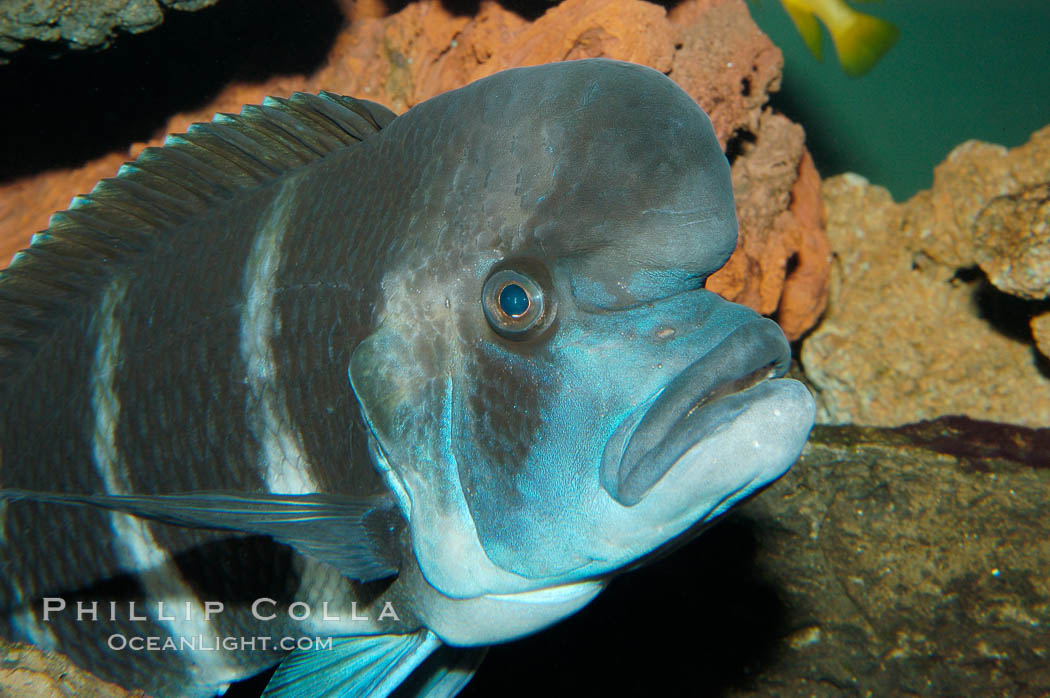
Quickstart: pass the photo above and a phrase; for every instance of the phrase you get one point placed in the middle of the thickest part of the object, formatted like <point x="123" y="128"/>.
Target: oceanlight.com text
<point x="214" y="643"/>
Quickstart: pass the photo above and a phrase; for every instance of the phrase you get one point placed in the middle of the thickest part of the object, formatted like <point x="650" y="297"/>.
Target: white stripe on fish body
<point x="283" y="467"/>
<point x="285" y="471"/>
<point x="136" y="548"/>
<point x="104" y="401"/>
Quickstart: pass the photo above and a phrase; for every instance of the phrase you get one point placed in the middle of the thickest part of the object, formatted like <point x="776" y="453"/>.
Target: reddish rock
<point x="805" y="294"/>
<point x="710" y="47"/>
<point x="781" y="261"/>
<point x="726" y="63"/>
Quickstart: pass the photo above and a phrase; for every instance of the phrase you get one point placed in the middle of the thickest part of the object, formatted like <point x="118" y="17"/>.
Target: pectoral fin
<point x="443" y="674"/>
<point x="356" y="536"/>
<point x="354" y="667"/>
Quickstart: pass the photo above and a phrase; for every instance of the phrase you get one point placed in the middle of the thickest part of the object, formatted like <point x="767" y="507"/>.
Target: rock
<point x="1040" y="325"/>
<point x="81" y="24"/>
<point x="913" y="329"/>
<point x="710" y="47"/>
<point x="781" y="261"/>
<point x="1012" y="236"/>
<point x="911" y="561"/>
<point x="887" y="562"/>
<point x="988" y="206"/>
<point x="26" y="671"/>
<point x="727" y="64"/>
<point x="807" y="273"/>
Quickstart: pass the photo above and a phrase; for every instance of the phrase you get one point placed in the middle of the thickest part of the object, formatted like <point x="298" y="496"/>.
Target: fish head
<point x="551" y="392"/>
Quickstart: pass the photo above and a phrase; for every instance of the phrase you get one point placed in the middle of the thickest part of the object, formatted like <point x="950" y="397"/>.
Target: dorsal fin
<point x="126" y="215"/>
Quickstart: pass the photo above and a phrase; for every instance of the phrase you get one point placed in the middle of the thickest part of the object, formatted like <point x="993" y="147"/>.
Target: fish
<point x="860" y="39"/>
<point x="357" y="395"/>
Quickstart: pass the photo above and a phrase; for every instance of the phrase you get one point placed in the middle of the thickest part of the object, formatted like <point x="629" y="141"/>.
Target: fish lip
<point x="691" y="407"/>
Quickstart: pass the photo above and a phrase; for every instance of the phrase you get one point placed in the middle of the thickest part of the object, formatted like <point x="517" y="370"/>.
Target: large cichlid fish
<point x="359" y="394"/>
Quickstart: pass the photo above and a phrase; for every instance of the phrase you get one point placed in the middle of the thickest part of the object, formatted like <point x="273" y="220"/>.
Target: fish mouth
<point x="706" y="395"/>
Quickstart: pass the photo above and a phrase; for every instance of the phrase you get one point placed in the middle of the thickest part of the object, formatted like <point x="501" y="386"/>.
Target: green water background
<point x="961" y="69"/>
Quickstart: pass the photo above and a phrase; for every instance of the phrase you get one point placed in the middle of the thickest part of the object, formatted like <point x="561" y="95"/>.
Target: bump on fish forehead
<point x="607" y="164"/>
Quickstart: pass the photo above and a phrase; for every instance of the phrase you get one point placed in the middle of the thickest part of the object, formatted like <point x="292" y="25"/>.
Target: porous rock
<point x="710" y="47"/>
<point x="916" y="326"/>
<point x="80" y="24"/>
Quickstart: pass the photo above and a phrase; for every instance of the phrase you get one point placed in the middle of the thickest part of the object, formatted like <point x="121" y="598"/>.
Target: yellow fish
<point x="860" y="39"/>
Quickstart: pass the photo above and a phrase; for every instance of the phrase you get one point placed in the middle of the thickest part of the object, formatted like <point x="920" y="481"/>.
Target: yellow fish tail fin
<point x="806" y="24"/>
<point x="861" y="41"/>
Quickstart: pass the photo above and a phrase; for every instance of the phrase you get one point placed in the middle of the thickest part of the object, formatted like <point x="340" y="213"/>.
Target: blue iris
<point x="513" y="300"/>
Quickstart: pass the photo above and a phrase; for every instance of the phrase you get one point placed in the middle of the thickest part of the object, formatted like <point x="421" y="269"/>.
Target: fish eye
<point x="518" y="300"/>
<point x="514" y="300"/>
